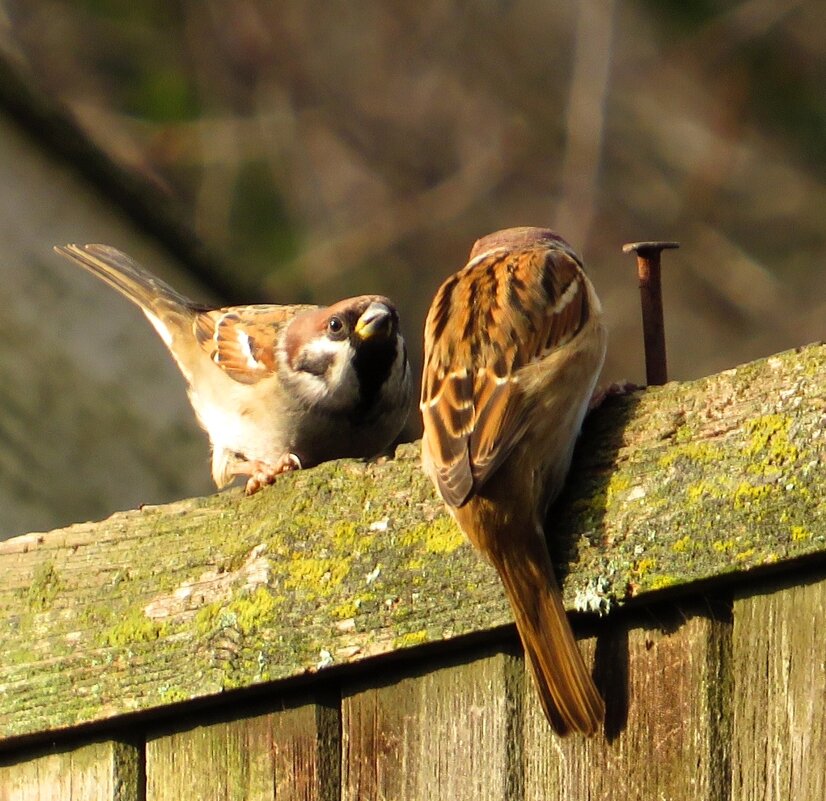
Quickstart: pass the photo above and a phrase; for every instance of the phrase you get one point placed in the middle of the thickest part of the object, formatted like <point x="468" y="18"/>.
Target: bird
<point x="513" y="345"/>
<point x="276" y="387"/>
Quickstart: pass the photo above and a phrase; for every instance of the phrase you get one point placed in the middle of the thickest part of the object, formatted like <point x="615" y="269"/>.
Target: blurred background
<point x="311" y="150"/>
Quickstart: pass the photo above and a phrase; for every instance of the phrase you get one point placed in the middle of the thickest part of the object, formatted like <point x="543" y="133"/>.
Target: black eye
<point x="335" y="326"/>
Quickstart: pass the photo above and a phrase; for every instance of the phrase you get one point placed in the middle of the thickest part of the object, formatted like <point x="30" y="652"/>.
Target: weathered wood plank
<point x="448" y="733"/>
<point x="105" y="771"/>
<point x="666" y="723"/>
<point x="335" y="564"/>
<point x="779" y="687"/>
<point x="290" y="755"/>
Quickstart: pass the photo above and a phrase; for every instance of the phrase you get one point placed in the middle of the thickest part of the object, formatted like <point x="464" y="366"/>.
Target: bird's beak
<point x="374" y="322"/>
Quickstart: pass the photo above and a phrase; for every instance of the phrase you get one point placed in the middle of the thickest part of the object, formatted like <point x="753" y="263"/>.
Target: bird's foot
<point x="617" y="389"/>
<point x="262" y="474"/>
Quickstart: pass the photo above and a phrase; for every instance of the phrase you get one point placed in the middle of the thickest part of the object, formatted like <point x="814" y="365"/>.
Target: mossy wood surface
<point x="335" y="564"/>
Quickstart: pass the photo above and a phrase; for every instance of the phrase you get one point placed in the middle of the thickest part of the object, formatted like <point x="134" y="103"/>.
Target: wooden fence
<point x="334" y="637"/>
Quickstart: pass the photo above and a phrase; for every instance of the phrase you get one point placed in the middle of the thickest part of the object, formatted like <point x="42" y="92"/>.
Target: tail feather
<point x="567" y="693"/>
<point x="125" y="275"/>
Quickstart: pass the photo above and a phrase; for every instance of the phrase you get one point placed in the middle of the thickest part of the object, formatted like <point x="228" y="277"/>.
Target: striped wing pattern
<point x="508" y="308"/>
<point x="242" y="340"/>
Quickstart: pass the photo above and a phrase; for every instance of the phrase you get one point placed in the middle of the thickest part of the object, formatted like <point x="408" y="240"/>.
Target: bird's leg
<point x="617" y="389"/>
<point x="261" y="474"/>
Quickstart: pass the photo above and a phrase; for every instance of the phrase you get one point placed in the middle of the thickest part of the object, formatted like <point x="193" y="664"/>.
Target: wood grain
<point x="445" y="734"/>
<point x="289" y="755"/>
<point x="666" y="724"/>
<point x="337" y="564"/>
<point x="779" y="671"/>
<point x="104" y="771"/>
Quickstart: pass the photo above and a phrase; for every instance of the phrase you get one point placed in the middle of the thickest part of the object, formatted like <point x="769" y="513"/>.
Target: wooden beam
<point x="103" y="771"/>
<point x="333" y="565"/>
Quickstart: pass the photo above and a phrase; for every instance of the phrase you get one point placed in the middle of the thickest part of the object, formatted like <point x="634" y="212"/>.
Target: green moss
<point x="173" y="695"/>
<point x="43" y="588"/>
<point x="618" y="483"/>
<point x="441" y="536"/>
<point x="644" y="566"/>
<point x="660" y="582"/>
<point x="701" y="490"/>
<point x="800" y="534"/>
<point x="702" y="452"/>
<point x="351" y="538"/>
<point x="135" y="627"/>
<point x="316" y="577"/>
<point x="345" y="610"/>
<point x="248" y="612"/>
<point x="410" y="639"/>
<point x="769" y="439"/>
<point x="683" y="435"/>
<point x="254" y="610"/>
<point x="746" y="495"/>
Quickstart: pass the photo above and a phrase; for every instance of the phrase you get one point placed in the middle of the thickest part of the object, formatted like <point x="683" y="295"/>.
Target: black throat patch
<point x="372" y="365"/>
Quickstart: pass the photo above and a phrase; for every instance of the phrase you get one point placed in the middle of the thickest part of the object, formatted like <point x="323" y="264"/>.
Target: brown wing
<point x="506" y="309"/>
<point x="242" y="340"/>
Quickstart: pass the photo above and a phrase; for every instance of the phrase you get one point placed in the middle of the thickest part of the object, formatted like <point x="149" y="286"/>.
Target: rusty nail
<point x="651" y="297"/>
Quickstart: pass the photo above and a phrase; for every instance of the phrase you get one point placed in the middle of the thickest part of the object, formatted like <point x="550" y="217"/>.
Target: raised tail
<point x="569" y="698"/>
<point x="167" y="310"/>
<point x="125" y="275"/>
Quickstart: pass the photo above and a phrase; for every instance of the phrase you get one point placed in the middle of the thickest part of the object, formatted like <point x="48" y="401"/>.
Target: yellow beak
<point x="375" y="321"/>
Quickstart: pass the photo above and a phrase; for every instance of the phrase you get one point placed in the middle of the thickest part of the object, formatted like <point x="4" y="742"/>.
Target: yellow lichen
<point x="703" y="452"/>
<point x="442" y="536"/>
<point x="316" y="576"/>
<point x="745" y="494"/>
<point x="134" y="628"/>
<point x="660" y="582"/>
<point x="643" y="566"/>
<point x="410" y="639"/>
<point x="769" y="439"/>
<point x="254" y="610"/>
<point x="800" y="534"/>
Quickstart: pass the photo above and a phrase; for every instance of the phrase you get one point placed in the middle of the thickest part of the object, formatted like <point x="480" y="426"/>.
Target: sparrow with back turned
<point x="276" y="388"/>
<point x="513" y="346"/>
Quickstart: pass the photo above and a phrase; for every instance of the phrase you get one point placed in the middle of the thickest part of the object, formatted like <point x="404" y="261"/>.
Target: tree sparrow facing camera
<point x="513" y="346"/>
<point x="276" y="388"/>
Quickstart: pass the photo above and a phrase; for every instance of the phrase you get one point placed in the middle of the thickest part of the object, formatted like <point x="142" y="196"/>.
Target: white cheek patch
<point x="325" y="347"/>
<point x="337" y="386"/>
<point x="342" y="382"/>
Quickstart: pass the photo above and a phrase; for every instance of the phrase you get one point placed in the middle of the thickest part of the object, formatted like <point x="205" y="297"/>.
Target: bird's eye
<point x="335" y="326"/>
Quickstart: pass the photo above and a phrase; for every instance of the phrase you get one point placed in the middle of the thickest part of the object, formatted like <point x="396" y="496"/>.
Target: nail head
<point x="648" y="247"/>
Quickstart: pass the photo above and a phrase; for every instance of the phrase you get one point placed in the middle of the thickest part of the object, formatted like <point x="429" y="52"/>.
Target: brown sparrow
<point x="513" y="346"/>
<point x="277" y="388"/>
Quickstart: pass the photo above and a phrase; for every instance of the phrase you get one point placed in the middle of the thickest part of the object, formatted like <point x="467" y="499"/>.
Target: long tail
<point x="569" y="698"/>
<point x="125" y="275"/>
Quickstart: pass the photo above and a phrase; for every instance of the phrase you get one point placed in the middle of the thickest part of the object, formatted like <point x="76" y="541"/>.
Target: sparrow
<point x="513" y="345"/>
<point x="276" y="388"/>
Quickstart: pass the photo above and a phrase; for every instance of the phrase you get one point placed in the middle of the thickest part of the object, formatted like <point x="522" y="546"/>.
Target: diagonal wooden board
<point x="674" y="485"/>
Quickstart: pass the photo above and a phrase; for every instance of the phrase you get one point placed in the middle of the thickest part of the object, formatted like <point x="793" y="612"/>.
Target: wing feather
<point x="508" y="308"/>
<point x="243" y="340"/>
